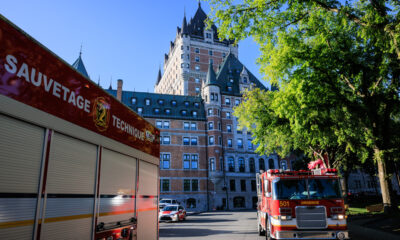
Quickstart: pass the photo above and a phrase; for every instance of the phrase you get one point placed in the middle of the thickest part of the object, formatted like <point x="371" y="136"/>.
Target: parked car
<point x="166" y="201"/>
<point x="172" y="213"/>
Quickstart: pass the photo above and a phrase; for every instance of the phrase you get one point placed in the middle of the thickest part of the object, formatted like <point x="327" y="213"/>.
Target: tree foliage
<point x="337" y="65"/>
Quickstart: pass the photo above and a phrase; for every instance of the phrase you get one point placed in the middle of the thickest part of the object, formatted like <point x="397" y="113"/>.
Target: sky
<point x="120" y="39"/>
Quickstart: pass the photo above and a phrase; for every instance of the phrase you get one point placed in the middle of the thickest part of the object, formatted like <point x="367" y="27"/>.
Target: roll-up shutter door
<point x="70" y="189"/>
<point x="117" y="188"/>
<point x="21" y="147"/>
<point x="146" y="201"/>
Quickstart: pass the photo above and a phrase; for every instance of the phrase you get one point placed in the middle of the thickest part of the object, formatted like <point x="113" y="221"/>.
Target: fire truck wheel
<point x="261" y="232"/>
<point x="268" y="232"/>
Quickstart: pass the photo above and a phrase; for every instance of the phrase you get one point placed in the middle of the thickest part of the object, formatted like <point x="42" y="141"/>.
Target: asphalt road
<point x="243" y="226"/>
<point x="213" y="225"/>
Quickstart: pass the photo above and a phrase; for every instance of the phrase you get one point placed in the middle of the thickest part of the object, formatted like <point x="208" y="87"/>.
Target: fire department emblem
<point x="101" y="116"/>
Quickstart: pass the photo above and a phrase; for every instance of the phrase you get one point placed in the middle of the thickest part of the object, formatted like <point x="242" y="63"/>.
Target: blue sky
<point x="122" y="39"/>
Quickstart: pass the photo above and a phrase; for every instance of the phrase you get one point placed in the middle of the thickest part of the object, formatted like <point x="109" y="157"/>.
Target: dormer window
<point x="184" y="112"/>
<point x="160" y="101"/>
<point x="231" y="80"/>
<point x="229" y="89"/>
<point x="133" y="100"/>
<point x="167" y="111"/>
<point x="139" y="110"/>
<point x="194" y="113"/>
<point x="196" y="105"/>
<point x="245" y="79"/>
<point x="173" y="103"/>
<point x="208" y="35"/>
<point x="156" y="110"/>
<point x="186" y="104"/>
<point x="147" y="102"/>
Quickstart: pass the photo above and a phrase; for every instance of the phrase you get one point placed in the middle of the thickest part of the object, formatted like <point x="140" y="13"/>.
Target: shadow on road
<point x="194" y="232"/>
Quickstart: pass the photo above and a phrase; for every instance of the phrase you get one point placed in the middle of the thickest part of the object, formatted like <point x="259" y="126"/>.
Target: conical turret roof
<point x="211" y="76"/>
<point x="79" y="66"/>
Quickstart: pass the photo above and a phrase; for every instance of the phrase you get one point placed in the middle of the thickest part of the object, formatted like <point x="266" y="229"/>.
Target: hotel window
<point x="241" y="164"/>
<point x="196" y="80"/>
<point x="197" y="90"/>
<point x="208" y="35"/>
<point x="216" y="97"/>
<point x="197" y="59"/>
<point x="166" y="161"/>
<point x="210" y="126"/>
<point x="186" y="140"/>
<point x="232" y="185"/>
<point x="160" y="101"/>
<point x="210" y="111"/>
<point x="193" y="141"/>
<point x="186" y="103"/>
<point x="228" y="115"/>
<point x="243" y="185"/>
<point x="237" y="102"/>
<point x="195" y="185"/>
<point x="156" y="110"/>
<point x="212" y="164"/>
<point x="220" y="140"/>
<point x="229" y="128"/>
<point x="245" y="79"/>
<point x="195" y="161"/>
<point x="212" y="97"/>
<point x="194" y="113"/>
<point x="186" y="185"/>
<point x="211" y="140"/>
<point x="166" y="139"/>
<point x="168" y="111"/>
<point x="133" y="100"/>
<point x="210" y="52"/>
<point x="229" y="89"/>
<point x="184" y="112"/>
<point x="223" y="55"/>
<point x="197" y="50"/>
<point x="231" y="164"/>
<point x="211" y="61"/>
<point x="166" y="124"/>
<point x="252" y="165"/>
<point x="186" y="161"/>
<point x="139" y="110"/>
<point x="249" y="144"/>
<point x="196" y="105"/>
<point x="159" y="124"/>
<point x="253" y="186"/>
<point x="284" y="164"/>
<point x="229" y="142"/>
<point x="227" y="101"/>
<point x="240" y="143"/>
<point x="147" y="102"/>
<point x="186" y="125"/>
<point x="193" y="126"/>
<point x="182" y="55"/>
<point x="197" y="68"/>
<point x="173" y="103"/>
<point x="219" y="125"/>
<point x="164" y="185"/>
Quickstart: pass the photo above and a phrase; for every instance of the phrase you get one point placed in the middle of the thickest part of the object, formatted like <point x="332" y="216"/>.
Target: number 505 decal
<point x="284" y="203"/>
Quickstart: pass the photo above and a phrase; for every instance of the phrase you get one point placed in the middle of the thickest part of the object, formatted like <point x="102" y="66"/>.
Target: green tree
<point x="344" y="53"/>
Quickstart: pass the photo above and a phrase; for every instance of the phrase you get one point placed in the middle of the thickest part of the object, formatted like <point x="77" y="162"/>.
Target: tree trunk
<point x="383" y="181"/>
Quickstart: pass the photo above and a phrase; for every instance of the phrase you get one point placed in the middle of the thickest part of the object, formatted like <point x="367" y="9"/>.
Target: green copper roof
<point x="211" y="77"/>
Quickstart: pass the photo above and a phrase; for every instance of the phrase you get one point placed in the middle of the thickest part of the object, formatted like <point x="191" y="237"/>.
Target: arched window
<point x="261" y="164"/>
<point x="271" y="163"/>
<point x="252" y="165"/>
<point x="191" y="203"/>
<point x="241" y="165"/>
<point x="231" y="164"/>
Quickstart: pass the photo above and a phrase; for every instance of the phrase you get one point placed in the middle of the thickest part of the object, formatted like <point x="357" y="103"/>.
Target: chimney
<point x="119" y="89"/>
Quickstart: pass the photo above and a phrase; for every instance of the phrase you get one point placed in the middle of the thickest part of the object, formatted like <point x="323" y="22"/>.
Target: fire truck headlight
<point x="285" y="218"/>
<point x="338" y="217"/>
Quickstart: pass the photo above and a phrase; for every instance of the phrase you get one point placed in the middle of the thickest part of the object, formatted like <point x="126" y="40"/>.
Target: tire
<point x="260" y="230"/>
<point x="268" y="231"/>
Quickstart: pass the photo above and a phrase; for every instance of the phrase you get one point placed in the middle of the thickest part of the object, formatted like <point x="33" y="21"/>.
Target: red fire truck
<point x="75" y="162"/>
<point x="300" y="205"/>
